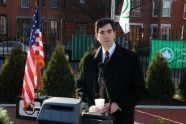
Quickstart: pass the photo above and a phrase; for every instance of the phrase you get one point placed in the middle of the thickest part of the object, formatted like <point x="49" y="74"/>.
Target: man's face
<point x="106" y="36"/>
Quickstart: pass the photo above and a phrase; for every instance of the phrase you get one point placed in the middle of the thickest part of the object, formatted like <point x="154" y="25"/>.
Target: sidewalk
<point x="169" y="116"/>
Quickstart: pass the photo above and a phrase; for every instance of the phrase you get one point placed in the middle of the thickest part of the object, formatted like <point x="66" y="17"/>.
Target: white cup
<point x="100" y="102"/>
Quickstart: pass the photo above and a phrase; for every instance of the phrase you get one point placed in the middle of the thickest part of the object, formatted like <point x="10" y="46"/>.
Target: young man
<point x="122" y="73"/>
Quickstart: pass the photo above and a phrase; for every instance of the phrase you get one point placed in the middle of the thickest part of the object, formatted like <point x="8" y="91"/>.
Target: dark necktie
<point x="101" y="87"/>
<point x="106" y="57"/>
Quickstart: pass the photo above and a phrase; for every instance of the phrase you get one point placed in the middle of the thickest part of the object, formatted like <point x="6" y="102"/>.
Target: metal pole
<point x="112" y="9"/>
<point x="183" y="58"/>
<point x="182" y="29"/>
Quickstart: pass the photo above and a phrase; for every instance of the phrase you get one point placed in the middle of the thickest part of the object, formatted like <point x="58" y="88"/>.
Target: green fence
<point x="81" y="44"/>
<point x="173" y="51"/>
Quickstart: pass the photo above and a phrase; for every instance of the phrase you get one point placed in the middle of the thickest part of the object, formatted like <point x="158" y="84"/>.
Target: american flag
<point x="34" y="63"/>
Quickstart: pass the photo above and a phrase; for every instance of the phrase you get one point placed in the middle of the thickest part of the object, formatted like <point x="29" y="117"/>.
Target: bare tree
<point x="96" y="8"/>
<point x="134" y="4"/>
<point x="101" y="8"/>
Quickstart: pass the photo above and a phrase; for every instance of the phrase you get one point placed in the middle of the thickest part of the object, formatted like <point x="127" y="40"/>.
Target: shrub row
<point x="59" y="81"/>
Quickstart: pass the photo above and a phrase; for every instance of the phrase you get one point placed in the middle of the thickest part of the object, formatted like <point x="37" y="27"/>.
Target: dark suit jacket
<point x="123" y="77"/>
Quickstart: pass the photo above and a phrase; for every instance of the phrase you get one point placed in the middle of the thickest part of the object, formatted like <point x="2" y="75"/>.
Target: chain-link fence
<point x="77" y="37"/>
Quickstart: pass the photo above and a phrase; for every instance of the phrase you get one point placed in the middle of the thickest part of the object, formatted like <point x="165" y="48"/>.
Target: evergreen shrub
<point x="158" y="81"/>
<point x="57" y="78"/>
<point x="80" y="65"/>
<point x="11" y="77"/>
<point x="182" y="85"/>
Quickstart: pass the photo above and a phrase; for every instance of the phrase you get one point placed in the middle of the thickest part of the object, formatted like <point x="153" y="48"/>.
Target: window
<point x="184" y="13"/>
<point x="23" y="27"/>
<point x="24" y="3"/>
<point x="82" y="3"/>
<point x="136" y="10"/>
<point x="166" y="8"/>
<point x="53" y="29"/>
<point x="154" y="31"/>
<point x="2" y="1"/>
<point x="53" y="3"/>
<point x="42" y="3"/>
<point x="3" y="25"/>
<point x="165" y="31"/>
<point x="53" y="26"/>
<point x="155" y="7"/>
<point x="81" y="29"/>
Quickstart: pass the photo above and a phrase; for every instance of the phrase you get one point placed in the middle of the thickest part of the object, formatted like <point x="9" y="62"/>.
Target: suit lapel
<point x="96" y="60"/>
<point x="116" y="53"/>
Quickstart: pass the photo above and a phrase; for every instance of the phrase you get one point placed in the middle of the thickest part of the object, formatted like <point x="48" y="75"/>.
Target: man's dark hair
<point x="101" y="22"/>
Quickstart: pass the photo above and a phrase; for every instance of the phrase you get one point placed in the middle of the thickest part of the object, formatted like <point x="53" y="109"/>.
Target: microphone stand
<point x="101" y="79"/>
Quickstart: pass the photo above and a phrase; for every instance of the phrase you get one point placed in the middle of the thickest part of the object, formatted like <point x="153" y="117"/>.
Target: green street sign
<point x="174" y="52"/>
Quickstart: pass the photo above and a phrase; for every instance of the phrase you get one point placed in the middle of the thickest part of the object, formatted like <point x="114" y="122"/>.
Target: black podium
<point x="60" y="110"/>
<point x="96" y="118"/>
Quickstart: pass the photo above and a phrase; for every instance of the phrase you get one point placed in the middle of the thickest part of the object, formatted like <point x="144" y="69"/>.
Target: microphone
<point x="101" y="79"/>
<point x="101" y="67"/>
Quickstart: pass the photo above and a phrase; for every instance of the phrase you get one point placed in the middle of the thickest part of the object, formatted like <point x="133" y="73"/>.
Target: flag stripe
<point x="29" y="91"/>
<point x="29" y="82"/>
<point x="31" y="58"/>
<point x="29" y="75"/>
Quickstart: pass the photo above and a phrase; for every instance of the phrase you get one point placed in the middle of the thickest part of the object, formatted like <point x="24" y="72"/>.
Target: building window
<point x="23" y="28"/>
<point x="136" y="10"/>
<point x="155" y="7"/>
<point x="166" y="8"/>
<point x="154" y="31"/>
<point x="184" y="13"/>
<point x="82" y="3"/>
<point x="53" y="26"/>
<point x="53" y="3"/>
<point x="3" y="25"/>
<point x="81" y="29"/>
<point x="42" y="3"/>
<point x="165" y="31"/>
<point x="2" y="1"/>
<point x="24" y="3"/>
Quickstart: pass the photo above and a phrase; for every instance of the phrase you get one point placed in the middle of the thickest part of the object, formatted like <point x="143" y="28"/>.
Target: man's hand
<point x="114" y="108"/>
<point x="94" y="109"/>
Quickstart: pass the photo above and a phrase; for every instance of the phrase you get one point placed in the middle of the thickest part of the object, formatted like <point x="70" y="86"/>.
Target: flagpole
<point x="112" y="9"/>
<point x="38" y="16"/>
<point x="182" y="33"/>
<point x="37" y="5"/>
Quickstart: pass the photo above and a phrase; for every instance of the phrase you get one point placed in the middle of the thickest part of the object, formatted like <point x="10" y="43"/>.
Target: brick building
<point x="162" y="17"/>
<point x="16" y="16"/>
<point x="63" y="18"/>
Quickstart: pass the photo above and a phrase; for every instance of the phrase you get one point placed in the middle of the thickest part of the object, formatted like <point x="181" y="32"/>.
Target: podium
<point x="60" y="110"/>
<point x="29" y="114"/>
<point x="96" y="118"/>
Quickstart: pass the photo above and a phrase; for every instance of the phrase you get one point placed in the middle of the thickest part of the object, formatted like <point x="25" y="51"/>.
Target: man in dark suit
<point x="122" y="74"/>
